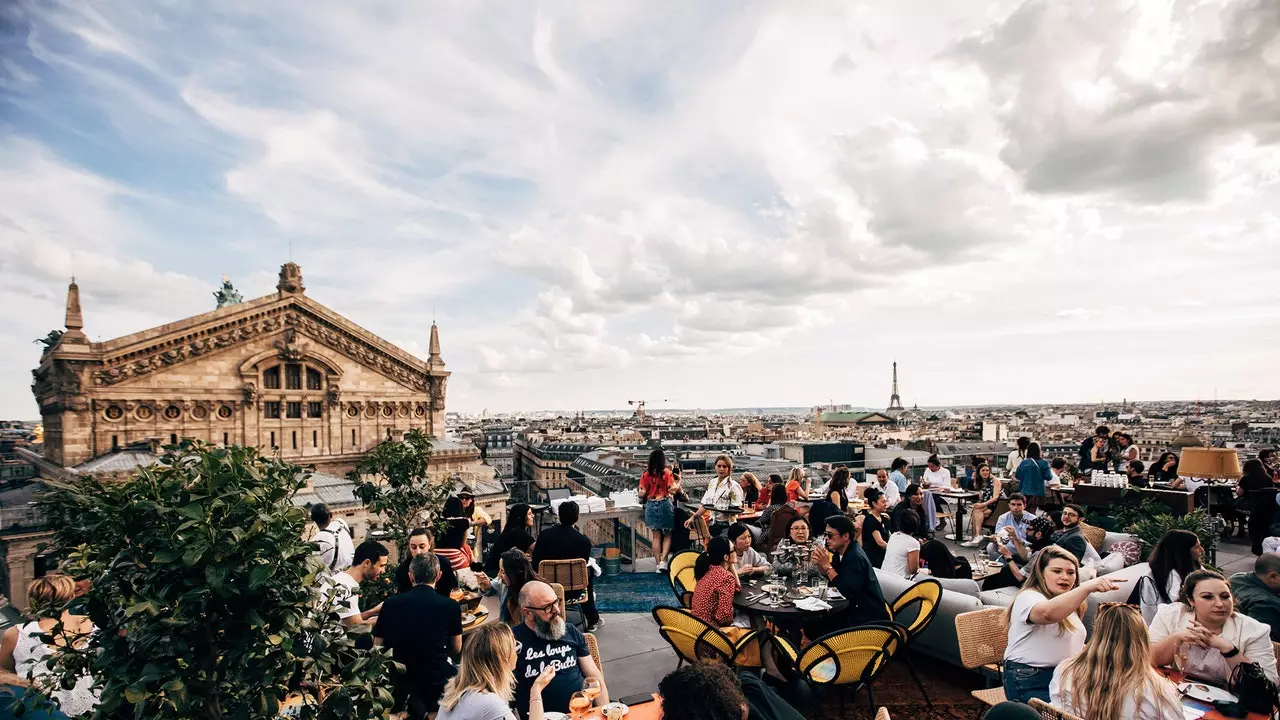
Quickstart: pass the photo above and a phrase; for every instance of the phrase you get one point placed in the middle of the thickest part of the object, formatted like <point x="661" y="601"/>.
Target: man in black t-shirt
<point x="565" y="542"/>
<point x="424" y="632"/>
<point x="420" y="542"/>
<point x="543" y="638"/>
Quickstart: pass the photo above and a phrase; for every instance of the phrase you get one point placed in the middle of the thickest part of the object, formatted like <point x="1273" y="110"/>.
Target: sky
<point x="698" y="204"/>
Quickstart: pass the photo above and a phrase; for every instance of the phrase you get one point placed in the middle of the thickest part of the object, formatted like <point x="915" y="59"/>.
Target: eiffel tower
<point x="895" y="402"/>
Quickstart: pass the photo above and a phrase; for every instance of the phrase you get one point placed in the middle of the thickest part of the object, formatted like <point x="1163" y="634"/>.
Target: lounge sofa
<point x="963" y="595"/>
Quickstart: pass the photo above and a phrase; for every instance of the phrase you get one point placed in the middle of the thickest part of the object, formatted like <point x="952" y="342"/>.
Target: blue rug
<point x="633" y="592"/>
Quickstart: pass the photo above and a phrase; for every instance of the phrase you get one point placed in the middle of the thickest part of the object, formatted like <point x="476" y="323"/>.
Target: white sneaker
<point x="972" y="543"/>
<point x="662" y="567"/>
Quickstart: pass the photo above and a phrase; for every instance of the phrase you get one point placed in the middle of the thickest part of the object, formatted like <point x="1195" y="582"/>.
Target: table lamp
<point x="1209" y="463"/>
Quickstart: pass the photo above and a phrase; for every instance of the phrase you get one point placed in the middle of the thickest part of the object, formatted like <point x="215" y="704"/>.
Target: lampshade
<point x="1201" y="462"/>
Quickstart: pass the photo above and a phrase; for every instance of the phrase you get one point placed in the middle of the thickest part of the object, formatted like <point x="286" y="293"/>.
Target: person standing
<point x="1033" y="476"/>
<point x="544" y="640"/>
<point x="875" y="538"/>
<point x="659" y="514"/>
<point x="1095" y="450"/>
<point x="478" y="517"/>
<point x="1017" y="455"/>
<point x="565" y="542"/>
<point x="423" y="630"/>
<point x="369" y="562"/>
<point x="722" y="491"/>
<point x="1125" y="451"/>
<point x="898" y="474"/>
<point x="848" y="569"/>
<point x="333" y="541"/>
<point x="517" y="533"/>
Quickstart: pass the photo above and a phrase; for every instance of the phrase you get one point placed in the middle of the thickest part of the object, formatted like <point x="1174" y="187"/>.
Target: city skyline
<point x="1018" y="202"/>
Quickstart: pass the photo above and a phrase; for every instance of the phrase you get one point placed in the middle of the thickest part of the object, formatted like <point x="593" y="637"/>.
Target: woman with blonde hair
<point x="1046" y="624"/>
<point x="486" y="681"/>
<point x="27" y="653"/>
<point x="1113" y="679"/>
<point x="722" y="493"/>
<point x="797" y="485"/>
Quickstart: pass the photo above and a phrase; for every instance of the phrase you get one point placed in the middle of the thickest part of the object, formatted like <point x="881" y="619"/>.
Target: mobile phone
<point x="637" y="699"/>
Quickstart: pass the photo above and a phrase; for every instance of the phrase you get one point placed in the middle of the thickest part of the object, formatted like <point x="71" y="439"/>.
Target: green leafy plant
<point x="1150" y="520"/>
<point x="392" y="481"/>
<point x="204" y="594"/>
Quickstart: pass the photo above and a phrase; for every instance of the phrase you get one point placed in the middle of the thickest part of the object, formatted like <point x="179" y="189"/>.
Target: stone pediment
<point x="296" y="319"/>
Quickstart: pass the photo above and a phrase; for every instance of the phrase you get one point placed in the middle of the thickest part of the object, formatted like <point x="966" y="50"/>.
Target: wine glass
<point x="591" y="688"/>
<point x="579" y="704"/>
<point x="1180" y="660"/>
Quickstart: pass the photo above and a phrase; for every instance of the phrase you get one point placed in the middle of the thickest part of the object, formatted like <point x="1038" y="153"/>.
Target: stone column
<point x="22" y="569"/>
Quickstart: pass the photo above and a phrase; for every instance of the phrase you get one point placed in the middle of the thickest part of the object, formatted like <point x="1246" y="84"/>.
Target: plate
<point x="606" y="708"/>
<point x="554" y="716"/>
<point x="773" y="588"/>
<point x="1206" y="693"/>
<point x="731" y="510"/>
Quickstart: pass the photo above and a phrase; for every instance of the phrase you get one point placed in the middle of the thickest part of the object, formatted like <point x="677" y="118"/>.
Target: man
<point x="897" y="473"/>
<point x="709" y="691"/>
<point x="1070" y="538"/>
<point x="912" y="499"/>
<point x="419" y="543"/>
<point x="891" y="492"/>
<point x="1137" y="473"/>
<point x="564" y="542"/>
<point x="1086" y="449"/>
<point x="423" y="629"/>
<point x="333" y="539"/>
<point x="370" y="560"/>
<point x="1013" y="522"/>
<point x="1039" y="536"/>
<point x="1017" y="455"/>
<point x="543" y="638"/>
<point x="935" y="477"/>
<point x="1258" y="592"/>
<point x="851" y="573"/>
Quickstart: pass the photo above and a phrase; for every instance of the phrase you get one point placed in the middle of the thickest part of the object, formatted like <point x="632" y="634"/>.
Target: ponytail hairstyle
<point x="717" y="550"/>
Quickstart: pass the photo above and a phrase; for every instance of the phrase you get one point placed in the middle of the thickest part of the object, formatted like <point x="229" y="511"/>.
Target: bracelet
<point x="1234" y="651"/>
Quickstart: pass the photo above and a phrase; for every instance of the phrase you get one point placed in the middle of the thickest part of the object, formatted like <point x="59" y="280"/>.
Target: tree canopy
<point x="392" y="480"/>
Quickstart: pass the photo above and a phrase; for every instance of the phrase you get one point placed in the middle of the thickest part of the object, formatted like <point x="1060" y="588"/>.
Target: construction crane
<point x="639" y="406"/>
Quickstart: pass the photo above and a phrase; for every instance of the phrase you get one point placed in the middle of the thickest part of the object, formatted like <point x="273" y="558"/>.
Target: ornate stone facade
<point x="280" y="371"/>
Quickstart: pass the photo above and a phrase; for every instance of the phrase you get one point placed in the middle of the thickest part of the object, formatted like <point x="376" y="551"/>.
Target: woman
<point x="1100" y="453"/>
<point x="751" y="489"/>
<point x="1176" y="555"/>
<point x="988" y="488"/>
<point x="1166" y="470"/>
<point x="1213" y="636"/>
<point x="874" y="536"/>
<point x="749" y="563"/>
<point x="1046" y="623"/>
<point x="717" y="583"/>
<point x="838" y="489"/>
<point x="1258" y="489"/>
<point x="935" y="556"/>
<point x="902" y="554"/>
<point x="777" y="501"/>
<point x="797" y="485"/>
<point x="516" y="571"/>
<point x="798" y="532"/>
<point x="1113" y="678"/>
<point x="453" y="543"/>
<point x="1033" y="476"/>
<point x="659" y="513"/>
<point x="722" y="491"/>
<point x="1127" y="452"/>
<point x="486" y="680"/>
<point x="516" y="534"/>
<point x="30" y="652"/>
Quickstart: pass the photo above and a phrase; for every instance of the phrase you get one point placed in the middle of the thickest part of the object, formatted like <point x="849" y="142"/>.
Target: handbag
<point x="1256" y="692"/>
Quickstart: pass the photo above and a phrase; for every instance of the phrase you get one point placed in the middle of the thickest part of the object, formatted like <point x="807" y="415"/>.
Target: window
<point x="224" y="439"/>
<point x="313" y="379"/>
<point x="295" y="439"/>
<point x="271" y="378"/>
<point x="273" y="439"/>
<point x="315" y="410"/>
<point x="293" y="410"/>
<point x="173" y="438"/>
<point x="271" y="410"/>
<point x="353" y="438"/>
<point x="115" y="443"/>
<point x="315" y="439"/>
<point x="292" y="377"/>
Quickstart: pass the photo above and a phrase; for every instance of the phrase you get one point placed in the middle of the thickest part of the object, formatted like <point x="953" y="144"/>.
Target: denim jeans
<point x="1023" y="682"/>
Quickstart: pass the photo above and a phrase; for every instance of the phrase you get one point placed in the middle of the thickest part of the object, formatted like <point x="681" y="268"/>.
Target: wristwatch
<point x="1234" y="651"/>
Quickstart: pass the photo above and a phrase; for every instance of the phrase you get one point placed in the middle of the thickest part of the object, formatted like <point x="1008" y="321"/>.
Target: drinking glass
<point x="820" y="583"/>
<point x="613" y="711"/>
<point x="579" y="704"/>
<point x="591" y="688"/>
<point x="1180" y="660"/>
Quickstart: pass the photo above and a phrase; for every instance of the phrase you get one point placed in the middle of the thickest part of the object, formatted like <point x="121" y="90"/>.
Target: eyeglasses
<point x="553" y="607"/>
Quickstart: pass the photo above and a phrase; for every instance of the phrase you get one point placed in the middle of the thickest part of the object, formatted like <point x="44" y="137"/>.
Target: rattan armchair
<point x="982" y="636"/>
<point x="1049" y="712"/>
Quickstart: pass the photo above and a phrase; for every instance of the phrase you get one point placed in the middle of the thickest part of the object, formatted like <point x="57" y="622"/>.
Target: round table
<point x="786" y="612"/>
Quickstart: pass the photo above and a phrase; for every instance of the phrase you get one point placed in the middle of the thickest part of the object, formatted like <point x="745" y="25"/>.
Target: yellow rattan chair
<point x="982" y="636"/>
<point x="915" y="610"/>
<point x="1049" y="712"/>
<point x="853" y="657"/>
<point x="593" y="646"/>
<point x="680" y="576"/>
<point x="696" y="640"/>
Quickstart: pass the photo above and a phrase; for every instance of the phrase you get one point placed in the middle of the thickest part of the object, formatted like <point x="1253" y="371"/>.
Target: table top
<point x="957" y="494"/>
<point x="1212" y="714"/>
<point x="480" y="622"/>
<point x="753" y="588"/>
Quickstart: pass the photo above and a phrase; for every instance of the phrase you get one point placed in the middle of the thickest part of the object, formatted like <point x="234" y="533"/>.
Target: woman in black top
<point x="875" y="538"/>
<point x="515" y="534"/>
<point x="1165" y="469"/>
<point x="941" y="563"/>
<point x="1258" y="489"/>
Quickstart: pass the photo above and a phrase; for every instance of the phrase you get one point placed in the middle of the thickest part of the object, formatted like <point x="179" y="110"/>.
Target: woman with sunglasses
<point x="1213" y="638"/>
<point x="1113" y="679"/>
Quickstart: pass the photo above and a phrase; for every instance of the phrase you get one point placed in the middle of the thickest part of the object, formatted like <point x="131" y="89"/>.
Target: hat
<point x="466" y="493"/>
<point x="1042" y="525"/>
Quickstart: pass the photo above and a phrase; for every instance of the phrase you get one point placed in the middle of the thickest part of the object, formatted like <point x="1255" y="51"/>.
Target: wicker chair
<point x="923" y="597"/>
<point x="594" y="648"/>
<point x="853" y="657"/>
<point x="1049" y="712"/>
<point x="883" y="714"/>
<point x="572" y="576"/>
<point x="559" y="589"/>
<point x="680" y="576"/>
<point x="982" y="636"/>
<point x="696" y="640"/>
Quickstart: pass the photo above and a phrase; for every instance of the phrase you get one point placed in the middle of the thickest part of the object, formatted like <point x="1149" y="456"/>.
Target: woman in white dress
<point x="1207" y="635"/>
<point x="1113" y="678"/>
<point x="28" y="653"/>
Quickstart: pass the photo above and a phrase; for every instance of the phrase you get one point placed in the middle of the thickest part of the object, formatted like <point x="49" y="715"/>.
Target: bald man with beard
<point x="543" y="638"/>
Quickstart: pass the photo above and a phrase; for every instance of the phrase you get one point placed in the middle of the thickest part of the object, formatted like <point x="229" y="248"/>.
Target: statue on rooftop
<point x="228" y="295"/>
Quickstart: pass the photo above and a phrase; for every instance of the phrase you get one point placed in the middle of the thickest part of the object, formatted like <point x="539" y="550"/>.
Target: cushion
<point x="1111" y="563"/>
<point x="964" y="586"/>
<point x="1130" y="549"/>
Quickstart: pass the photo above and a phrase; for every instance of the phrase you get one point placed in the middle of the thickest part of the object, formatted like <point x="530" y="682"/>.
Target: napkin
<point x="813" y="604"/>
<point x="834" y="594"/>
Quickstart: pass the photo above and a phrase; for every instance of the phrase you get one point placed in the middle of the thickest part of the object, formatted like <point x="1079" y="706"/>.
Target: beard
<point x="549" y="629"/>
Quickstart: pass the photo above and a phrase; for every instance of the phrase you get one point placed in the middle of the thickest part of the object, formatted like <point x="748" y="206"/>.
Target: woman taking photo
<point x="989" y="487"/>
<point x="1176" y="555"/>
<point x="486" y="680"/>
<point x="1113" y="679"/>
<point x="1206" y="634"/>
<point x="659" y="513"/>
<point x="1046" y="624"/>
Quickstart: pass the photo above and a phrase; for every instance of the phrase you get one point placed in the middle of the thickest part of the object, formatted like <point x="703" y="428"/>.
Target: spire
<point x="895" y="402"/>
<point x="434" y="359"/>
<point x="75" y="319"/>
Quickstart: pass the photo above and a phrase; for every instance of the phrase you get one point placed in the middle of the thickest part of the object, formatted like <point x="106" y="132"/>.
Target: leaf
<point x="166" y="556"/>
<point x="275" y="639"/>
<point x="259" y="575"/>
<point x="194" y="510"/>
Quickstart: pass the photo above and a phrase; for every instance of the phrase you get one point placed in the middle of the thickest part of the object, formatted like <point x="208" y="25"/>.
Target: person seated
<point x="1257" y="593"/>
<point x="988" y="489"/>
<point x="516" y="533"/>
<point x="717" y="584"/>
<point x="913" y="500"/>
<point x="777" y="501"/>
<point x="486" y="679"/>
<point x="710" y="691"/>
<point x="750" y="563"/>
<point x="1070" y="538"/>
<point x="515" y="571"/>
<point x="902" y="556"/>
<point x="1113" y="678"/>
<point x="565" y="542"/>
<point x="848" y="569"/>
<point x="1214" y="638"/>
<point x="28" y="648"/>
<point x="935" y="556"/>
<point x="1137" y="473"/>
<point x="1013" y="522"/>
<point x="1019" y="555"/>
<point x="544" y="640"/>
<point x="891" y="492"/>
<point x="1165" y="470"/>
<point x="1177" y="554"/>
<point x="420" y="542"/>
